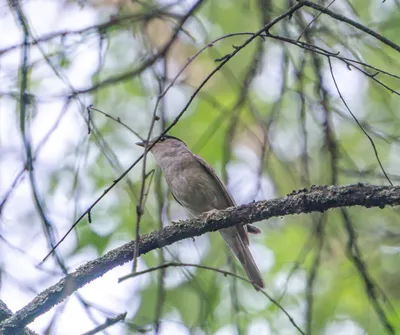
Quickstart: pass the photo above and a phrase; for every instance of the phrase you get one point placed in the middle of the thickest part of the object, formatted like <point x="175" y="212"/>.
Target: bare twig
<point x="118" y="120"/>
<point x="109" y="322"/>
<point x="358" y="123"/>
<point x="313" y="20"/>
<point x="225" y="273"/>
<point x="351" y="22"/>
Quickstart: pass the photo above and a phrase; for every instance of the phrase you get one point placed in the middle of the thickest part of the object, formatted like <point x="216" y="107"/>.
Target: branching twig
<point x="351" y="22"/>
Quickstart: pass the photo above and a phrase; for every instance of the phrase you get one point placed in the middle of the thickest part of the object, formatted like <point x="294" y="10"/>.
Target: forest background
<point x="276" y="95"/>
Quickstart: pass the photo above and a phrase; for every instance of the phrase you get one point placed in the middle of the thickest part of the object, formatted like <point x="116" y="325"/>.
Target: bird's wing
<point x="207" y="167"/>
<point x="242" y="229"/>
<point x="176" y="199"/>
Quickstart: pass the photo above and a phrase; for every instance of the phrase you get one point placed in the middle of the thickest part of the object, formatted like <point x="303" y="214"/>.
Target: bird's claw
<point x="209" y="214"/>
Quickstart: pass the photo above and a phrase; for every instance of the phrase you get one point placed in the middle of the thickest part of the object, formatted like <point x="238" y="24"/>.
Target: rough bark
<point x="315" y="199"/>
<point x="5" y="313"/>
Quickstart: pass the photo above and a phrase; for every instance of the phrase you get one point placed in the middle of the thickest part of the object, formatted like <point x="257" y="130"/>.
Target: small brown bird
<point x="195" y="186"/>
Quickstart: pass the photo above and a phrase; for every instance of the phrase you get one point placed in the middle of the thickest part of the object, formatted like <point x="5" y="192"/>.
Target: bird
<point x="195" y="186"/>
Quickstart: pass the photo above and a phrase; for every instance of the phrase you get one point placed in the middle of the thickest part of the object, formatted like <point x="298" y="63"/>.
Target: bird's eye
<point x="163" y="139"/>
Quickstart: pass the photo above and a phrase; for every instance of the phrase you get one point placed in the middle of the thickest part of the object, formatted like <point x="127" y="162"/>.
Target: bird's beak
<point x="140" y="144"/>
<point x="143" y="143"/>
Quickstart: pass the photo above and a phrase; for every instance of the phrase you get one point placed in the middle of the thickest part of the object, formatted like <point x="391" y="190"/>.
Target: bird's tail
<point x="243" y="254"/>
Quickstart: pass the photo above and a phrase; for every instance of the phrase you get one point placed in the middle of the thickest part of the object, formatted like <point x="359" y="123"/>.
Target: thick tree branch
<point x="5" y="313"/>
<point x="315" y="199"/>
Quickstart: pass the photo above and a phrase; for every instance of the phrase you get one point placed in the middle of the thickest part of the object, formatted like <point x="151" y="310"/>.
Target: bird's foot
<point x="209" y="214"/>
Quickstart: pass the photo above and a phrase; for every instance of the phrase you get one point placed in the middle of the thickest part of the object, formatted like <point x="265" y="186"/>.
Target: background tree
<point x="276" y="95"/>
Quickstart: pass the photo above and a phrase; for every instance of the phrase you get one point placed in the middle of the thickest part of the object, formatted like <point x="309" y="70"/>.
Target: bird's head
<point x="164" y="145"/>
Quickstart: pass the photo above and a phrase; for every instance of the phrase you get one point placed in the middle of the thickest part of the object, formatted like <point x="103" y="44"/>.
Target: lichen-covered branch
<point x="5" y="313"/>
<point x="315" y="199"/>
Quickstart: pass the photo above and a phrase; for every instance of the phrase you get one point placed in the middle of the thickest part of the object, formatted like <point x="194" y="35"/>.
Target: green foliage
<point x="87" y="237"/>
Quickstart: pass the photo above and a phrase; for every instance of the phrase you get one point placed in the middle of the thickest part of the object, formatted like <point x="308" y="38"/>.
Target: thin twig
<point x="313" y="20"/>
<point x="225" y="273"/>
<point x="351" y="22"/>
<point x="109" y="322"/>
<point x="118" y="120"/>
<point x="358" y="123"/>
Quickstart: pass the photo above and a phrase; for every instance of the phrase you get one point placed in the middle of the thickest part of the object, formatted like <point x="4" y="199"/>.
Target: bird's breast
<point x="194" y="187"/>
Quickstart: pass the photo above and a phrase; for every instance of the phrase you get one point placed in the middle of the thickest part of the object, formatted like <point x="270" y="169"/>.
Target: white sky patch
<point x="351" y="83"/>
<point x="347" y="327"/>
<point x="259" y="327"/>
<point x="267" y="84"/>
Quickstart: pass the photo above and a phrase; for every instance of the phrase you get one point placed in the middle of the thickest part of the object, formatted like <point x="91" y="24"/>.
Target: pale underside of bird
<point x="195" y="186"/>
